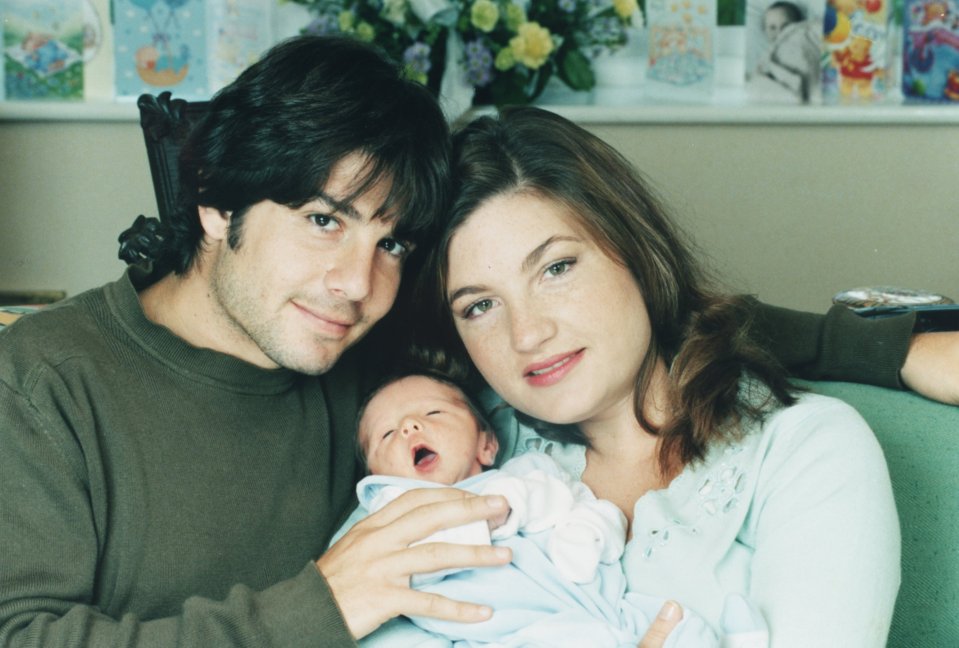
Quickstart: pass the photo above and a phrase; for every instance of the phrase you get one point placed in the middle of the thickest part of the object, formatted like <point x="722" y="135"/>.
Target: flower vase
<point x="621" y="74"/>
<point x="557" y="93"/>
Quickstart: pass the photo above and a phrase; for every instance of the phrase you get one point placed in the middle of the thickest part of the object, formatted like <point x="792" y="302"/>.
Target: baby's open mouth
<point x="423" y="456"/>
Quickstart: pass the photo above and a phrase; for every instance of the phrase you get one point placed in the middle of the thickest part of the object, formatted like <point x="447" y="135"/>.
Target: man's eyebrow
<point x="340" y="206"/>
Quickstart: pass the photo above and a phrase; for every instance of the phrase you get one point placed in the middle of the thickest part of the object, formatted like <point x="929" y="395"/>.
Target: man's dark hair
<point x="277" y="131"/>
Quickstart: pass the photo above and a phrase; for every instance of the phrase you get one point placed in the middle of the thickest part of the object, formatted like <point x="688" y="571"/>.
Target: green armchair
<point x="921" y="441"/>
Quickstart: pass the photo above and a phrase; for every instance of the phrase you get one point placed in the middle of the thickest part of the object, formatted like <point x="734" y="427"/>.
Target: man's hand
<point x="368" y="569"/>
<point x="932" y="366"/>
<point x="667" y="619"/>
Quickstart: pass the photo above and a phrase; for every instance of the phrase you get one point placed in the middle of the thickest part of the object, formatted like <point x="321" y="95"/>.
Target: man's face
<point x="303" y="284"/>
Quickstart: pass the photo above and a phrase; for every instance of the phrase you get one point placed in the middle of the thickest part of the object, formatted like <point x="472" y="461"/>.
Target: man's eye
<point x="396" y="247"/>
<point x="324" y="221"/>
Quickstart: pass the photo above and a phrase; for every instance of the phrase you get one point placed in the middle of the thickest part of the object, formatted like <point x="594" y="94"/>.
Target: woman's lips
<point x="551" y="371"/>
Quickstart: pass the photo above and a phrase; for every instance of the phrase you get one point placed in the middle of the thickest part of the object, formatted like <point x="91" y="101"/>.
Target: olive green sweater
<point x="156" y="494"/>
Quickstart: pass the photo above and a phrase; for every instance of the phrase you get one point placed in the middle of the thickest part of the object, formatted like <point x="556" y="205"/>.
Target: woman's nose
<point x="530" y="328"/>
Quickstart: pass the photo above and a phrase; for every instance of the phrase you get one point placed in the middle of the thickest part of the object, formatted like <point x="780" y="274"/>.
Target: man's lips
<point x="337" y="325"/>
<point x="552" y="370"/>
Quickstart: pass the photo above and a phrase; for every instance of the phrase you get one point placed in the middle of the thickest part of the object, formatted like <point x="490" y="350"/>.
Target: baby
<point x="565" y="585"/>
<point x="791" y="58"/>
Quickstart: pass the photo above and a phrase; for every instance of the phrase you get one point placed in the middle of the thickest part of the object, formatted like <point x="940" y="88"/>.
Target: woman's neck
<point x="616" y="433"/>
<point x="623" y="458"/>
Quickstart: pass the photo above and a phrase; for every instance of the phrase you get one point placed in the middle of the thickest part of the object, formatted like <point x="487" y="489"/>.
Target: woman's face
<point x="555" y="326"/>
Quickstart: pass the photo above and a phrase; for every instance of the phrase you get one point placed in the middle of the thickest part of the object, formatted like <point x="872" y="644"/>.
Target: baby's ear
<point x="488" y="447"/>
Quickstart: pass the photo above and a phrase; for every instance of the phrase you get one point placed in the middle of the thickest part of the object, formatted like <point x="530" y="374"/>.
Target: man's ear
<point x="488" y="447"/>
<point x="215" y="223"/>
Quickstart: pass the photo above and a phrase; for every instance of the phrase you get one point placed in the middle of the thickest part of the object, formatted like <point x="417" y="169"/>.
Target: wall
<point x="793" y="213"/>
<point x="796" y="213"/>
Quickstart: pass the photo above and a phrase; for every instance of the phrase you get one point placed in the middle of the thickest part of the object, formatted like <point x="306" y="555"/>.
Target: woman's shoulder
<point x="819" y="438"/>
<point x="817" y="421"/>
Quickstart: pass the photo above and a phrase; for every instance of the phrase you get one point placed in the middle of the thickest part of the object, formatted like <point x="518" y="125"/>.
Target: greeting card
<point x="160" y="45"/>
<point x="682" y="36"/>
<point x="43" y="44"/>
<point x="930" y="61"/>
<point x="784" y="51"/>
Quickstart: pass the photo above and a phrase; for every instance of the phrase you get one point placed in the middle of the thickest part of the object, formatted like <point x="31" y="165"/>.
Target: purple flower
<point x="417" y="58"/>
<point x="323" y="25"/>
<point x="479" y="64"/>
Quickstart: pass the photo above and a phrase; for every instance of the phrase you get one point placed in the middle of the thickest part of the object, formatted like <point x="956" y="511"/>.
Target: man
<point x="177" y="446"/>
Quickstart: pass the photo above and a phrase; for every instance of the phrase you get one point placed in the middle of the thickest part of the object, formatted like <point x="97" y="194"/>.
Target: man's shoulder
<point x="52" y="334"/>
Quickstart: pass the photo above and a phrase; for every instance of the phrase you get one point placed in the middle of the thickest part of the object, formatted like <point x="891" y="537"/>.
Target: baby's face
<point x="423" y="429"/>
<point x="773" y="23"/>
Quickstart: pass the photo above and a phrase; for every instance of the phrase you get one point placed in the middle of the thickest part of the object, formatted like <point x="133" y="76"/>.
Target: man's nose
<point x="350" y="273"/>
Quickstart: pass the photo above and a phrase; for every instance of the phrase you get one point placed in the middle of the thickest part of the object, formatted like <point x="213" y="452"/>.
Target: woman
<point x="563" y="282"/>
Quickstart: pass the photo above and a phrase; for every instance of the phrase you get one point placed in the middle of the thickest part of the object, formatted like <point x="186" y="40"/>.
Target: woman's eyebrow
<point x="532" y="259"/>
<point x="530" y="262"/>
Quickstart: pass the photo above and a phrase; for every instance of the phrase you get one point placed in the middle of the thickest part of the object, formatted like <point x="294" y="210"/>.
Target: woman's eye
<point x="560" y="267"/>
<point x="477" y="308"/>
<point x="395" y="247"/>
<point x="324" y="222"/>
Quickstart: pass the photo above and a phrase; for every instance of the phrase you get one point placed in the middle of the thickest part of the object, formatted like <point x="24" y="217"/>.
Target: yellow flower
<point x="413" y="75"/>
<point x="504" y="60"/>
<point x="532" y="45"/>
<point x="365" y="32"/>
<point x="346" y="20"/>
<point x="515" y="16"/>
<point x="394" y="11"/>
<point x="624" y="8"/>
<point x="484" y="14"/>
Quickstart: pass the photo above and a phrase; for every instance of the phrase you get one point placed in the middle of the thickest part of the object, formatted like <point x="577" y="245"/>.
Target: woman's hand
<point x="932" y="366"/>
<point x="369" y="568"/>
<point x="667" y="619"/>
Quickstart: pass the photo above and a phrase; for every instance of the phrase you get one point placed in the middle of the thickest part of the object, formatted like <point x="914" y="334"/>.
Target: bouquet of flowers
<point x="505" y="50"/>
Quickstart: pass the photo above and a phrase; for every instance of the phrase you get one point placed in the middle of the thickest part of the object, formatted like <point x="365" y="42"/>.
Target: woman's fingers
<point x="667" y="619"/>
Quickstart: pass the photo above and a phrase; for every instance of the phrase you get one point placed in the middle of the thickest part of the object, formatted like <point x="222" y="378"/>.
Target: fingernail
<point x="484" y="612"/>
<point x="669" y="611"/>
<point x="503" y="553"/>
<point x="496" y="502"/>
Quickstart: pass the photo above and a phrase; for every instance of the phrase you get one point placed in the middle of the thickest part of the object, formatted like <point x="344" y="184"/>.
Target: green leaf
<point x="576" y="71"/>
<point x="509" y="89"/>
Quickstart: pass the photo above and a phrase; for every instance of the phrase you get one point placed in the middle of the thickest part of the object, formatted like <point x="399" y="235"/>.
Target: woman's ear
<point x="488" y="447"/>
<point x="215" y="223"/>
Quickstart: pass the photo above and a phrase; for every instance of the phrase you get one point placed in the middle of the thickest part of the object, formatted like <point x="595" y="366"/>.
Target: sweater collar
<point x="202" y="365"/>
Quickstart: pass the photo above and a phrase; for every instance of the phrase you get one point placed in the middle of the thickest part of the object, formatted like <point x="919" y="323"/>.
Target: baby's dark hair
<point x="468" y="399"/>
<point x="792" y="10"/>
